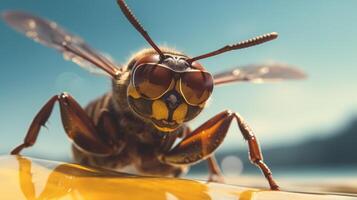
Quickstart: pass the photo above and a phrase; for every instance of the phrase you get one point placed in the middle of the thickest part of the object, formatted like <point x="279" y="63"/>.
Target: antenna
<point x="241" y="45"/>
<point x="132" y="19"/>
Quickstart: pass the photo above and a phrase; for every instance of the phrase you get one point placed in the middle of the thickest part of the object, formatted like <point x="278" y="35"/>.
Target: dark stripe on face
<point x="192" y="112"/>
<point x="141" y="106"/>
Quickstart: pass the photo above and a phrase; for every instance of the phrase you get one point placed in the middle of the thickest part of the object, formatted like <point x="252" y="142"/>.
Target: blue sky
<point x="317" y="36"/>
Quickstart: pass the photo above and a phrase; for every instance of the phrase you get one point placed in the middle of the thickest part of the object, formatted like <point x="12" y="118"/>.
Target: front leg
<point x="215" y="174"/>
<point x="78" y="126"/>
<point x="202" y="142"/>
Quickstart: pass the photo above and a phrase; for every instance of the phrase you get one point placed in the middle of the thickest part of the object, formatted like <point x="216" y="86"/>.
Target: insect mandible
<point x="153" y="96"/>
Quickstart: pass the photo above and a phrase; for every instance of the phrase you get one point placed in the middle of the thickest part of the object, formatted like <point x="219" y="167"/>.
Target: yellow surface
<point x="27" y="178"/>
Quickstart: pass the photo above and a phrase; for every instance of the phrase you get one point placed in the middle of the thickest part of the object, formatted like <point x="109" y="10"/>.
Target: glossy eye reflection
<point x="152" y="80"/>
<point x="196" y="87"/>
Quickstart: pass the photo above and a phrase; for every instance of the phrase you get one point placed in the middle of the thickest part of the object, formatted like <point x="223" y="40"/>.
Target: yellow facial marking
<point x="132" y="92"/>
<point x="164" y="129"/>
<point x="180" y="113"/>
<point x="159" y="110"/>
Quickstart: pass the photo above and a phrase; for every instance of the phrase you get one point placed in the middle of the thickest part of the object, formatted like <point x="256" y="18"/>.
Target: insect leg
<point x="200" y="143"/>
<point x="78" y="126"/>
<point x="39" y="120"/>
<point x="203" y="141"/>
<point x="255" y="154"/>
<point x="215" y="174"/>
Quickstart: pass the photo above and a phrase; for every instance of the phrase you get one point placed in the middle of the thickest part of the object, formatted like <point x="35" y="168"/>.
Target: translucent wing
<point x="268" y="72"/>
<point x="50" y="34"/>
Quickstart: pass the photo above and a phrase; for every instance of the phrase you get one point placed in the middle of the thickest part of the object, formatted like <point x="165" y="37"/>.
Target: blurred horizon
<point x="318" y="37"/>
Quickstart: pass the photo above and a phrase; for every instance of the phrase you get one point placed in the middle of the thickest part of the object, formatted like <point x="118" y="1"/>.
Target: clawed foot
<point x="215" y="178"/>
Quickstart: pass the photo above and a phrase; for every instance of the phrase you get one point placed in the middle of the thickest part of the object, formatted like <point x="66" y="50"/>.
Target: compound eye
<point x="196" y="86"/>
<point x="152" y="80"/>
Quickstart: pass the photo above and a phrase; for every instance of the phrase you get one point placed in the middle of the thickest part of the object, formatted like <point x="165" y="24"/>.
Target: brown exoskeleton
<point x="154" y="96"/>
